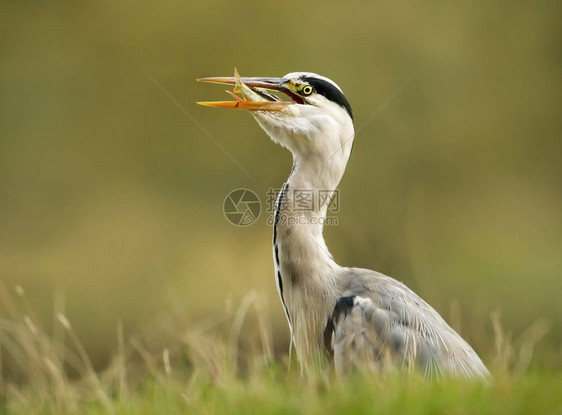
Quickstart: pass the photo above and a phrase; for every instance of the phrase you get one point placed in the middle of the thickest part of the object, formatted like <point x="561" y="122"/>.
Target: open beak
<point x="254" y="93"/>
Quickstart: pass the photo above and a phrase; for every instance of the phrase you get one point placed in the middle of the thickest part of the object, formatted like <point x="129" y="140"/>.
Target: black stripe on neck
<point x="276" y="249"/>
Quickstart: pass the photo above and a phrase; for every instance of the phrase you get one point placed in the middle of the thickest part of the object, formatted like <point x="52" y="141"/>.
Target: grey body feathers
<point x="380" y="323"/>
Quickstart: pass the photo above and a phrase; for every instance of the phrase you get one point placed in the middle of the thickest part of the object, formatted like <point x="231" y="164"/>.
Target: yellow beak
<point x="250" y="87"/>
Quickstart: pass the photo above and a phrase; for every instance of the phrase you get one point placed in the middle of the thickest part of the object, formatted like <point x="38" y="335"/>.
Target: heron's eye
<point x="306" y="90"/>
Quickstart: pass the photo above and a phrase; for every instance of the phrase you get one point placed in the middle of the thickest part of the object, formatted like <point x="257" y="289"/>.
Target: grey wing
<point x="389" y="326"/>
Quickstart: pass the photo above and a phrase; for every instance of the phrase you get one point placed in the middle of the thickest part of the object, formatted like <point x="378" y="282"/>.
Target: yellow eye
<point x="307" y="90"/>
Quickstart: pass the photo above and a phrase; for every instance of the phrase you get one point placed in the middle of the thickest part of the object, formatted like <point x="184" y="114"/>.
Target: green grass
<point x="533" y="394"/>
<point x="275" y="393"/>
<point x="228" y="367"/>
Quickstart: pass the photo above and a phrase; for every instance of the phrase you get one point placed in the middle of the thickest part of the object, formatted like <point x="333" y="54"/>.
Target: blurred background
<point x="111" y="198"/>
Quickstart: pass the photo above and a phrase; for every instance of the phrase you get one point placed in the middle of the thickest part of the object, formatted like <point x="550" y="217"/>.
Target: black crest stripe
<point x="329" y="91"/>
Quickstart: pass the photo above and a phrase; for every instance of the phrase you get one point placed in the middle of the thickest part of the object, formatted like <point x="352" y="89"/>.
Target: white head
<point x="317" y="126"/>
<point x="319" y="122"/>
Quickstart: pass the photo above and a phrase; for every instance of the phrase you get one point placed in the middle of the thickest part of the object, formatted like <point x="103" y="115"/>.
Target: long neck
<point x="305" y="269"/>
<point x="300" y="217"/>
<point x="306" y="274"/>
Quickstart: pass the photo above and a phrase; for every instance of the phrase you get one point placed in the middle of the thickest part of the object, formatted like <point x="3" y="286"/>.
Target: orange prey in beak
<point x="254" y="93"/>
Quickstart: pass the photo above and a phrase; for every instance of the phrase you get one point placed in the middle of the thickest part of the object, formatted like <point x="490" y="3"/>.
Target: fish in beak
<point x="255" y="95"/>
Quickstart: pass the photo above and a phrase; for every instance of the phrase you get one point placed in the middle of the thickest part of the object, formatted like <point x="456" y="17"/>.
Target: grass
<point x="228" y="367"/>
<point x="273" y="393"/>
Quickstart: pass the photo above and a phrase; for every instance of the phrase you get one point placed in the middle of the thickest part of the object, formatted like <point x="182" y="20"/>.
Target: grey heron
<point x="364" y="318"/>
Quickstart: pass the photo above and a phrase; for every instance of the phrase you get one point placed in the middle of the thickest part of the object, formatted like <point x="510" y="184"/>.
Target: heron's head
<point x="317" y="122"/>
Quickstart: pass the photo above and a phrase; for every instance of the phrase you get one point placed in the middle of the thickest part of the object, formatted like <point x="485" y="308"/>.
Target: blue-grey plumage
<point x="380" y="323"/>
<point x="366" y="319"/>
